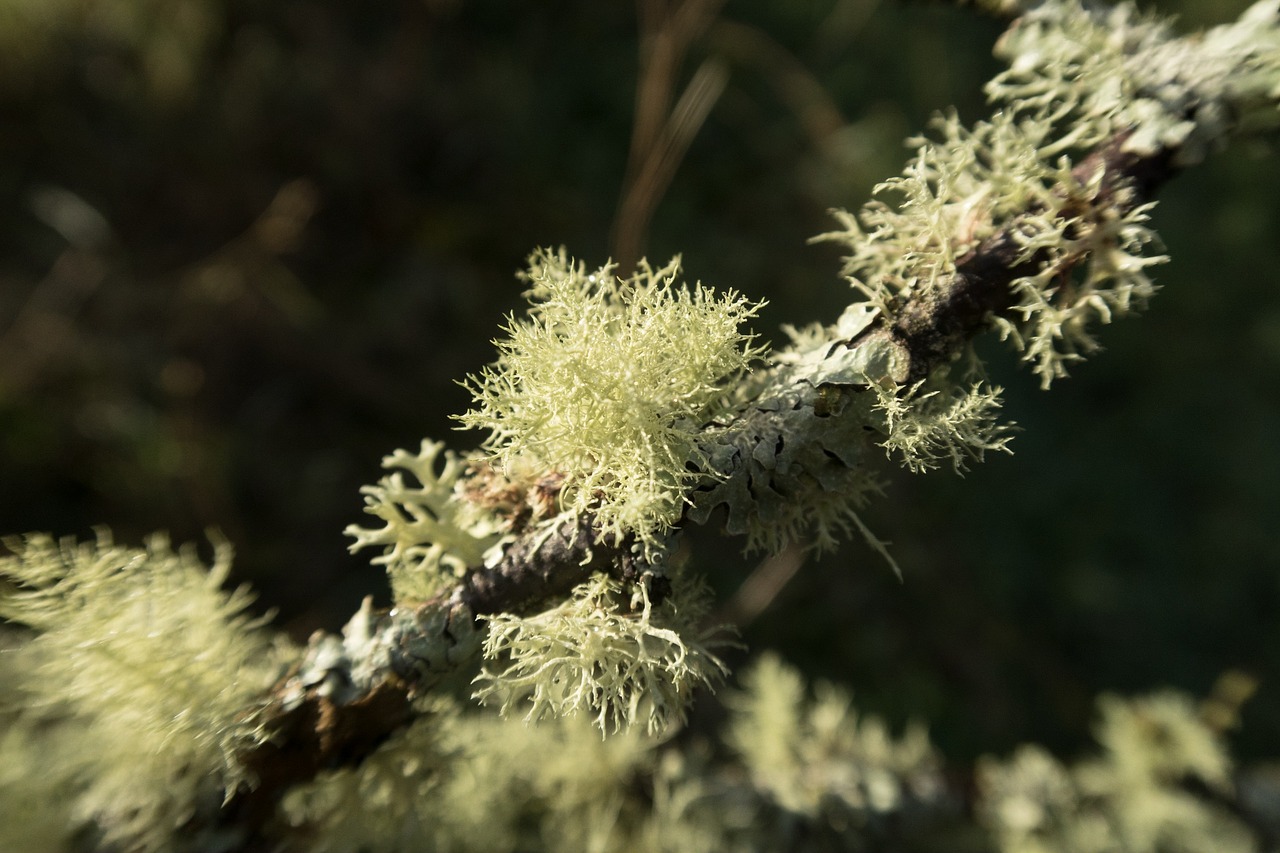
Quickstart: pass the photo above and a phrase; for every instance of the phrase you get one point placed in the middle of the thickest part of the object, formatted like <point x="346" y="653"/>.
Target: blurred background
<point x="247" y="249"/>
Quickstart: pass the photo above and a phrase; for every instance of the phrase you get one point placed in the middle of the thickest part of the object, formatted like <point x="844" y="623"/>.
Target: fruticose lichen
<point x="607" y="653"/>
<point x="818" y="757"/>
<point x="608" y="382"/>
<point x="1078" y="77"/>
<point x="147" y="675"/>
<point x="1138" y="795"/>
<point x="432" y="534"/>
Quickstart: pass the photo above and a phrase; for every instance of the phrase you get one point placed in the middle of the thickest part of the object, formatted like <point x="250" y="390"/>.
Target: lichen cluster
<point x="143" y="673"/>
<point x="431" y="535"/>
<point x="606" y="653"/>
<point x="791" y="463"/>
<point x="794" y="773"/>
<point x="1078" y="77"/>
<point x="798" y="768"/>
<point x="608" y="380"/>
<point x="134" y="686"/>
<point x="955" y="424"/>
<point x="510" y="786"/>
<point x="1137" y="795"/>
<point x="1011" y="174"/>
<point x="818" y="757"/>
<point x="1101" y="70"/>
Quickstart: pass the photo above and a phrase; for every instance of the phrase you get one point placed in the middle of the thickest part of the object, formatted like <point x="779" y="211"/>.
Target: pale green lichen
<point x="799" y="769"/>
<point x="917" y="225"/>
<point x="462" y="780"/>
<point x="1078" y="77"/>
<point x="143" y="673"/>
<point x="467" y="780"/>
<point x="796" y="478"/>
<point x="1092" y="269"/>
<point x="39" y="773"/>
<point x="1134" y="797"/>
<point x="1088" y="75"/>
<point x="818" y="757"/>
<point x="1006" y="174"/>
<point x="958" y="189"/>
<point x="1112" y="69"/>
<point x="607" y="653"/>
<point x="432" y="535"/>
<point x="609" y="381"/>
<point x="954" y="423"/>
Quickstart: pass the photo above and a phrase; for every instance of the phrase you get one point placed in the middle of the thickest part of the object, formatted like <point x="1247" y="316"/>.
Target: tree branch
<point x="353" y="692"/>
<point x="350" y="693"/>
<point x="935" y="326"/>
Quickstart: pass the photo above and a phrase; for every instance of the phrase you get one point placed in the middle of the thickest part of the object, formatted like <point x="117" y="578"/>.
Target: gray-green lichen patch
<point x="788" y="466"/>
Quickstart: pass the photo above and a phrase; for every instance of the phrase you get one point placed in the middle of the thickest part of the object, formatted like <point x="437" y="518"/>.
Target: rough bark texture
<point x="540" y="569"/>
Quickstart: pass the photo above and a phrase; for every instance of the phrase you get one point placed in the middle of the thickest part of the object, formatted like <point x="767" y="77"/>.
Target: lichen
<point x="1078" y="77"/>
<point x="1134" y="796"/>
<point x="952" y="423"/>
<point x="432" y="535"/>
<point x="465" y="780"/>
<point x="607" y="654"/>
<point x="1112" y="69"/>
<point x="146" y="675"/>
<point x="790" y="463"/>
<point x="818" y="757"/>
<point x="608" y="382"/>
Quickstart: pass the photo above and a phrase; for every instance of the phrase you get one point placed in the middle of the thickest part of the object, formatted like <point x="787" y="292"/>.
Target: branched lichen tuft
<point x="432" y="534"/>
<point x="462" y="779"/>
<point x="1093" y="268"/>
<point x="607" y="653"/>
<point x="608" y="381"/>
<point x="817" y="757"/>
<point x="1009" y="174"/>
<point x="147" y="677"/>
<point x="1134" y="796"/>
<point x="954" y="424"/>
<point x="1079" y="78"/>
<point x="1087" y="75"/>
<point x="1108" y="70"/>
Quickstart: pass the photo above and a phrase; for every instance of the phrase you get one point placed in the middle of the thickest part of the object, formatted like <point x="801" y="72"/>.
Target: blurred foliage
<point x="246" y="249"/>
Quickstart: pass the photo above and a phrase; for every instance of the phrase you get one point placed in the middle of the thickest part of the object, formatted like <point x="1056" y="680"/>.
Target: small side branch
<point x="933" y="327"/>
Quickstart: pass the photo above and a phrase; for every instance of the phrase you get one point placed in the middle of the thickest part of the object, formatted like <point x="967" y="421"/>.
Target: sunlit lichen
<point x="432" y="535"/>
<point x="1078" y="77"/>
<point x="612" y="656"/>
<point x="150" y="675"/>
<point x="465" y="780"/>
<point x="608" y="381"/>
<point x="1111" y="69"/>
<point x="1134" y="796"/>
<point x="818" y="757"/>
<point x="792" y="461"/>
<point x="956" y="424"/>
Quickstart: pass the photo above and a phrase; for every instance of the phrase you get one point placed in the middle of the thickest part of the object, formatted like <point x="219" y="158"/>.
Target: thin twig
<point x="661" y="132"/>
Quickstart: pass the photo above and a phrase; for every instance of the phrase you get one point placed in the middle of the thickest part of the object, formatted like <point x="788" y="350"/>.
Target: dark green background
<point x="180" y="375"/>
